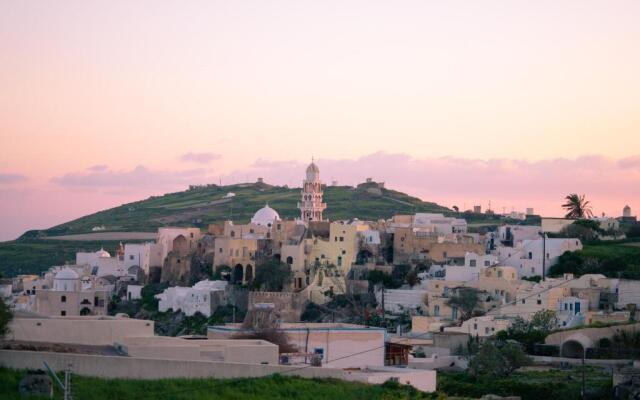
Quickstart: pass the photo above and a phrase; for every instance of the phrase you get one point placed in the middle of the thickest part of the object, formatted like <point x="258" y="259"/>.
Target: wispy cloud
<point x="200" y="158"/>
<point x="99" y="167"/>
<point x="139" y="177"/>
<point x="450" y="180"/>
<point x="11" y="178"/>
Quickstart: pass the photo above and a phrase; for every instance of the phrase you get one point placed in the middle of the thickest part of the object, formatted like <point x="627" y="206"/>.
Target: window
<point x="444" y="254"/>
<point x="63" y="313"/>
<point x="524" y="301"/>
<point x="436" y="311"/>
<point x="130" y="256"/>
<point x="486" y="330"/>
<point x="530" y="256"/>
<point x="63" y="299"/>
<point x="339" y="261"/>
<point x="220" y="250"/>
<point x="472" y="263"/>
<point x="319" y="351"/>
<point x="191" y="234"/>
<point x="486" y="263"/>
<point x="539" y="301"/>
<point x="475" y="327"/>
<point x="342" y="238"/>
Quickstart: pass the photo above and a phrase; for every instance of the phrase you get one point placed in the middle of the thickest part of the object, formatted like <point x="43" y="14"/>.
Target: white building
<point x="571" y="311"/>
<point x="474" y="264"/>
<point x="134" y="292"/>
<point x="398" y="301"/>
<point x="191" y="300"/>
<point x="439" y="224"/>
<point x="338" y="345"/>
<point x="514" y="235"/>
<point x="528" y="256"/>
<point x="484" y="326"/>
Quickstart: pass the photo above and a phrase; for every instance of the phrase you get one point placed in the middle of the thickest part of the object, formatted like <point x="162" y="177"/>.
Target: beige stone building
<point x="69" y="297"/>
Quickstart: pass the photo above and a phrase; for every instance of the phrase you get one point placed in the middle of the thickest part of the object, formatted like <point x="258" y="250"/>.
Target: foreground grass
<point x="274" y="387"/>
<point x="531" y="385"/>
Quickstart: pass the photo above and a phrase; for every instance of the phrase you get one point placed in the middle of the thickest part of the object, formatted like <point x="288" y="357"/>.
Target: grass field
<point x="531" y="385"/>
<point x="274" y="387"/>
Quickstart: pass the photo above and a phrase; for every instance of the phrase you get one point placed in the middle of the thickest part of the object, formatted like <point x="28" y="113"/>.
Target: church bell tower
<point x="311" y="206"/>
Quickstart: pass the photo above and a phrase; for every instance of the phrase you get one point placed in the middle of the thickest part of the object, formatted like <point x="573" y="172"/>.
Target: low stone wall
<point x="146" y="368"/>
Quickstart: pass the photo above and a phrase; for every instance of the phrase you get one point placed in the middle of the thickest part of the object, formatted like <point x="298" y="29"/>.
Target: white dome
<point x="67" y="274"/>
<point x="265" y="216"/>
<point x="102" y="253"/>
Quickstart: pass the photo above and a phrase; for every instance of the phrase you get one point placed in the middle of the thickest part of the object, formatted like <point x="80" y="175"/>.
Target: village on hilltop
<point x="391" y="299"/>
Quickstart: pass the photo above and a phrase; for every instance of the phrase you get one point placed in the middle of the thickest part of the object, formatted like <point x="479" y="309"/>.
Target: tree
<point x="577" y="206"/>
<point x="544" y="320"/>
<point x="5" y="318"/>
<point x="528" y="333"/>
<point x="272" y="276"/>
<point x="466" y="300"/>
<point x="498" y="359"/>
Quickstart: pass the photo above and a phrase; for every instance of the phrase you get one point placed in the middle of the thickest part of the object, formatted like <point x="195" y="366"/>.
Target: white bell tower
<point x="311" y="206"/>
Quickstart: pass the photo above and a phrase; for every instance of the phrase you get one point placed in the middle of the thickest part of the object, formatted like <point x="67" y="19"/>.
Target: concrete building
<point x="337" y="345"/>
<point x="85" y="330"/>
<point x="484" y="326"/>
<point x="68" y="297"/>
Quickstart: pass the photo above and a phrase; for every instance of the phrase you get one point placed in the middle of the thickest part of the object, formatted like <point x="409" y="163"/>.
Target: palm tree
<point x="577" y="206"/>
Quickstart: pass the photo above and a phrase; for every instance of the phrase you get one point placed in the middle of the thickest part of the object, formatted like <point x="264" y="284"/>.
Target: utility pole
<point x="66" y="387"/>
<point x="544" y="255"/>
<point x="584" y="381"/>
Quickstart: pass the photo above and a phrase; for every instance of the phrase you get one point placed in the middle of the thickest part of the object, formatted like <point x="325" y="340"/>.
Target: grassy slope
<point x="195" y="207"/>
<point x="32" y="254"/>
<point x="276" y="387"/>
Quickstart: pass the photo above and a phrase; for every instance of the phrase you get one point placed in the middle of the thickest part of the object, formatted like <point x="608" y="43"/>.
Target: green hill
<point x="34" y="252"/>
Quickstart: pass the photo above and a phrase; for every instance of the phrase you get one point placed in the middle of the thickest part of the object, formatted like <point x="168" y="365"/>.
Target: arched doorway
<point x="248" y="273"/>
<point x="180" y="245"/>
<point x="237" y="274"/>
<point x="289" y="260"/>
<point x="572" y="349"/>
<point x="85" y="311"/>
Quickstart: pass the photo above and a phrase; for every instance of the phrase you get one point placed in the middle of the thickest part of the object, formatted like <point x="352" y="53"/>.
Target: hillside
<point x="35" y="252"/>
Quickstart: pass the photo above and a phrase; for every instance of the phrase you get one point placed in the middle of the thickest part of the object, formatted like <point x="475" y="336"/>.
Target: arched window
<point x="63" y="299"/>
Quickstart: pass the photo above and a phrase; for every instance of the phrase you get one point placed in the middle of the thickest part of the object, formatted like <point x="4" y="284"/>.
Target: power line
<point x="220" y="384"/>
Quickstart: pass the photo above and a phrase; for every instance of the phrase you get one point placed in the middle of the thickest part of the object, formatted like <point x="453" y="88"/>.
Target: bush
<point x="498" y="359"/>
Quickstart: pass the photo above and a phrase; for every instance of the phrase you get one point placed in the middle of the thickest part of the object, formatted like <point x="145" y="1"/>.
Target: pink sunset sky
<point x="458" y="102"/>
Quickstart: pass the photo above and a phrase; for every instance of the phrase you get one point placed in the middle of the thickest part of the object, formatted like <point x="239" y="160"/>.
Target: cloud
<point x="200" y="158"/>
<point x="140" y="177"/>
<point x="608" y="183"/>
<point x="100" y="167"/>
<point x="630" y="162"/>
<point x="11" y="178"/>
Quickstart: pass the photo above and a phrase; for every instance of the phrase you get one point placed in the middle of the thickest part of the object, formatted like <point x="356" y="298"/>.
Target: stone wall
<point x="146" y="368"/>
<point x="288" y="305"/>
